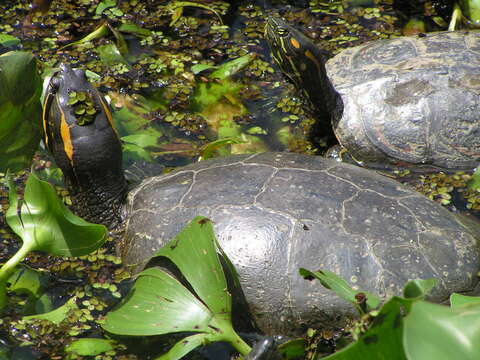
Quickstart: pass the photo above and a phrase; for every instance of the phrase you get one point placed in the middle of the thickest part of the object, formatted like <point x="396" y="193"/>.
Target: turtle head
<point x="302" y="62"/>
<point x="79" y="132"/>
<point x="296" y="55"/>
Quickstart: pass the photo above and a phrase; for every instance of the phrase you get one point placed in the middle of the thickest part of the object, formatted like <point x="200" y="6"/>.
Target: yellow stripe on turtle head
<point x="46" y="108"/>
<point x="65" y="134"/>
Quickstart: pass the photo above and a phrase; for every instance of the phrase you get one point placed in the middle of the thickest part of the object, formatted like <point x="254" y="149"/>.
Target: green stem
<point x="7" y="270"/>
<point x="237" y="342"/>
<point x="231" y="336"/>
<point x="241" y="346"/>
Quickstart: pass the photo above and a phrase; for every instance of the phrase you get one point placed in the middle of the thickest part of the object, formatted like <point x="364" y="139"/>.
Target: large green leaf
<point x="158" y="304"/>
<point x="338" y="285"/>
<point x="383" y="340"/>
<point x="437" y="332"/>
<point x="19" y="78"/>
<point x="194" y="248"/>
<point x="45" y="224"/>
<point x="161" y="304"/>
<point x="20" y="110"/>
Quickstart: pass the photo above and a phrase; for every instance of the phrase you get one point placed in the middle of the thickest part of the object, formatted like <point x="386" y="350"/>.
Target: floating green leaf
<point x="177" y="10"/>
<point x="58" y="315"/>
<point x="32" y="283"/>
<point x="110" y="54"/>
<point x="90" y="346"/>
<point x="223" y="88"/>
<point x="7" y="40"/>
<point x="232" y="67"/>
<point x="198" y="68"/>
<point x="438" y="332"/>
<point x="135" y="152"/>
<point x="211" y="149"/>
<point x="136" y="145"/>
<point x="211" y="93"/>
<point x="383" y="339"/>
<point x="134" y="29"/>
<point x="474" y="182"/>
<point x="99" y="32"/>
<point x="105" y="4"/>
<point x="143" y="140"/>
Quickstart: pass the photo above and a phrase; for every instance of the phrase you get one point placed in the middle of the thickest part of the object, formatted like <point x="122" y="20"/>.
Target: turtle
<point x="410" y="101"/>
<point x="272" y="213"/>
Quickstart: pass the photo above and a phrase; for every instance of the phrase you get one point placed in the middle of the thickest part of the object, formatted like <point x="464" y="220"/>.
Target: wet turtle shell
<point x="276" y="212"/>
<point x="409" y="100"/>
<point x="414" y="99"/>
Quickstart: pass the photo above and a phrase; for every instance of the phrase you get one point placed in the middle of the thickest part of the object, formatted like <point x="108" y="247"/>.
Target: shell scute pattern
<point x="304" y="211"/>
<point x="231" y="189"/>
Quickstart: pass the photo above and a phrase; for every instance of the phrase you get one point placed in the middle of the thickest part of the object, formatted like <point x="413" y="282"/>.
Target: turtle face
<point x="72" y="109"/>
<point x="296" y="55"/>
<point x="77" y="122"/>
<point x="304" y="64"/>
<point x="79" y="132"/>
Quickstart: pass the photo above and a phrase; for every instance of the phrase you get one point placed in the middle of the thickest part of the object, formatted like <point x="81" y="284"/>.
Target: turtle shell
<point x="276" y="212"/>
<point x="412" y="99"/>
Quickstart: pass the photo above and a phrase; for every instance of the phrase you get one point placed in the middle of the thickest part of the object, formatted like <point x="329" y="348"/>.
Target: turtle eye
<point x="54" y="85"/>
<point x="282" y="32"/>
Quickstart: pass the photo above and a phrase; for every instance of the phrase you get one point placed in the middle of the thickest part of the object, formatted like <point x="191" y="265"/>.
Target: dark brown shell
<point x="413" y="99"/>
<point x="276" y="212"/>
